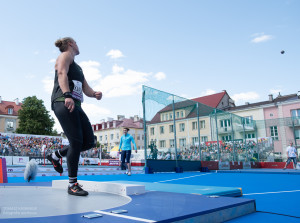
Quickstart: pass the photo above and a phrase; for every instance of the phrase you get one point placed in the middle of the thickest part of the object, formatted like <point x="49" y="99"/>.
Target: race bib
<point x="77" y="91"/>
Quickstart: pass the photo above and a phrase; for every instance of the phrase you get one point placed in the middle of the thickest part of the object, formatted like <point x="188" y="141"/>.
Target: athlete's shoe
<point x="129" y="173"/>
<point x="57" y="166"/>
<point x="77" y="190"/>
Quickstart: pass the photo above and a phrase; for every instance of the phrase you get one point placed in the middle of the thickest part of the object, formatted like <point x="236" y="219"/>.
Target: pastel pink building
<point x="282" y="121"/>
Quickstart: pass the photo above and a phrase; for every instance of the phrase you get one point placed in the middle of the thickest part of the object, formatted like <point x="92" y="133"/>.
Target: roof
<point x="129" y="123"/>
<point x="4" y="105"/>
<point x="212" y="100"/>
<point x="278" y="99"/>
<point x="206" y="106"/>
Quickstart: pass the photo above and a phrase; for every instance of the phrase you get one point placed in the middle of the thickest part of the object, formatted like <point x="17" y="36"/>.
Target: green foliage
<point x="34" y="118"/>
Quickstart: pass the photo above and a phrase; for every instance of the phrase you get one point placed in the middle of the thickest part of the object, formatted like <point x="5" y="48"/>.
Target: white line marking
<point x="278" y="192"/>
<point x="125" y="216"/>
<point x="182" y="178"/>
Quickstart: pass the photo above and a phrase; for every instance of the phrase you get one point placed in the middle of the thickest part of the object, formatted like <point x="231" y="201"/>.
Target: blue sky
<point x="189" y="48"/>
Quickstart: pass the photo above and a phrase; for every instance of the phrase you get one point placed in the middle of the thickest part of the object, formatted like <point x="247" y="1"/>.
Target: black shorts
<point x="125" y="156"/>
<point x="294" y="159"/>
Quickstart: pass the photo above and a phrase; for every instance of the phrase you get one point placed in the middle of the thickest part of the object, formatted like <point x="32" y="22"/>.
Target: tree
<point x="34" y="118"/>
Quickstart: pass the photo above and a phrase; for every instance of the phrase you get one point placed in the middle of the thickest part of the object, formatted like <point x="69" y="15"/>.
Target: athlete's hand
<point x="98" y="95"/>
<point x="69" y="103"/>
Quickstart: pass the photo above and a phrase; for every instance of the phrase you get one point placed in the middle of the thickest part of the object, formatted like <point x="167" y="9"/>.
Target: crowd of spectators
<point x="16" y="145"/>
<point x="227" y="151"/>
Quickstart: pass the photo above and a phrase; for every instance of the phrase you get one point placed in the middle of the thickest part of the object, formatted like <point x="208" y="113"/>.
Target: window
<point x="152" y="131"/>
<point x="204" y="139"/>
<point x="100" y="138"/>
<point x="177" y="114"/>
<point x="195" y="140"/>
<point x="167" y="118"/>
<point x="181" y="114"/>
<point x="225" y="123"/>
<point x="142" y="136"/>
<point x="172" y="143"/>
<point x="171" y="128"/>
<point x="163" y="117"/>
<point x="247" y="120"/>
<point x="226" y="138"/>
<point x="295" y="113"/>
<point x="138" y="137"/>
<point x="111" y="136"/>
<point x="181" y="127"/>
<point x="249" y="136"/>
<point x="182" y="142"/>
<point x="117" y="135"/>
<point x="297" y="133"/>
<point x="202" y="124"/>
<point x="194" y="125"/>
<point x="171" y="116"/>
<point x="274" y="132"/>
<point x="105" y="137"/>
<point x="161" y="130"/>
<point x="162" y="144"/>
<point x="10" y="111"/>
<point x="10" y="125"/>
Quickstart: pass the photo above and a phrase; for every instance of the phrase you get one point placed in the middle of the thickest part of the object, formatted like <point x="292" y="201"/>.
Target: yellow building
<point x="109" y="132"/>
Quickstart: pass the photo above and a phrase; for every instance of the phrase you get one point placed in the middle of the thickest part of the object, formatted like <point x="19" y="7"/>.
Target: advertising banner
<point x="8" y="160"/>
<point x="20" y="160"/>
<point x="224" y="165"/>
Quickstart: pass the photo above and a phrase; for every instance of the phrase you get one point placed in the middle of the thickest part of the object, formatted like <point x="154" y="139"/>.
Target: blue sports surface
<point x="277" y="195"/>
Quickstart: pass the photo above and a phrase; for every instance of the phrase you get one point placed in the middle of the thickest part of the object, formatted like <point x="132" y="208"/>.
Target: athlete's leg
<point x="71" y="124"/>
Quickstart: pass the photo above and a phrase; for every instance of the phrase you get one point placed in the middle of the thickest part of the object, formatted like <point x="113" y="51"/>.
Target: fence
<point x="177" y="128"/>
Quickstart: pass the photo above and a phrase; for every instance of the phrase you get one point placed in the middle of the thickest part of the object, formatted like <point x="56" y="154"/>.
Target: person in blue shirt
<point x="125" y="146"/>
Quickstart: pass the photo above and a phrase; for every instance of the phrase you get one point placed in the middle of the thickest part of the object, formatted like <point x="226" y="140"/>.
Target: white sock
<point x="54" y="157"/>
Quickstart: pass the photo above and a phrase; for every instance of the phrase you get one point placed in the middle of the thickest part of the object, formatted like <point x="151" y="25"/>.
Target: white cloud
<point x="114" y="54"/>
<point x="160" y="76"/>
<point x="94" y="112"/>
<point x="117" y="69"/>
<point x="245" y="97"/>
<point x="91" y="70"/>
<point x="52" y="61"/>
<point x="261" y="37"/>
<point x="48" y="84"/>
<point x="124" y="83"/>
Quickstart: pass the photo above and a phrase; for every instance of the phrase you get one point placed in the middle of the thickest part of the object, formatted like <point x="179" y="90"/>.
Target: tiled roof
<point x="129" y="123"/>
<point x="212" y="100"/>
<point x="4" y="105"/>
<point x="276" y="100"/>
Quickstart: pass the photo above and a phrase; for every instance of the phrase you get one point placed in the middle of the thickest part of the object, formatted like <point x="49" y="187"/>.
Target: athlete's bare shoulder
<point x="64" y="59"/>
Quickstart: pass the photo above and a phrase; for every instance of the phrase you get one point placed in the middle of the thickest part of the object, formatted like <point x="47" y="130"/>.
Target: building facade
<point x="9" y="115"/>
<point x="110" y="131"/>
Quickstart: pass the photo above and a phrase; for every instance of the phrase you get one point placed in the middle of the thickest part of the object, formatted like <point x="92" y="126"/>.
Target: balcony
<point x="293" y="122"/>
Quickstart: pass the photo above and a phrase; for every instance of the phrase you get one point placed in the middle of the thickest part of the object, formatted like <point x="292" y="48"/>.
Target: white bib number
<point x="77" y="91"/>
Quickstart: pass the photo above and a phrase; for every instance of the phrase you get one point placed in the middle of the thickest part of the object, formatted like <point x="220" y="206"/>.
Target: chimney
<point x="114" y="124"/>
<point x="136" y="118"/>
<point x="120" y="117"/>
<point x="247" y="103"/>
<point x="17" y="101"/>
<point x="270" y="97"/>
<point x="109" y="119"/>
